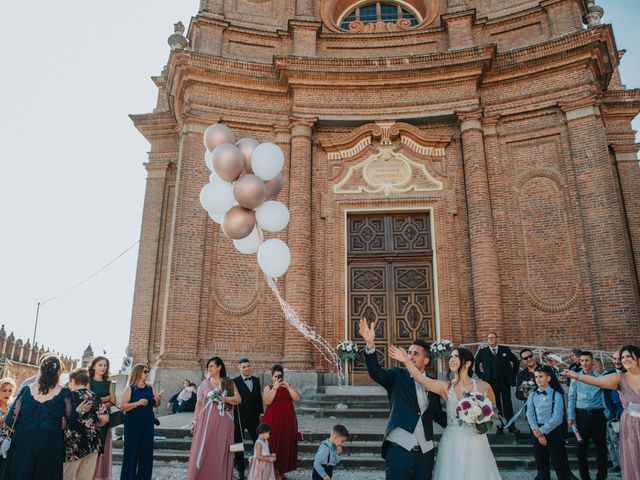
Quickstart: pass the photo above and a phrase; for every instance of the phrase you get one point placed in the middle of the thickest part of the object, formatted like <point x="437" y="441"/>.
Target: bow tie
<point x="543" y="392"/>
<point x="247" y="379"/>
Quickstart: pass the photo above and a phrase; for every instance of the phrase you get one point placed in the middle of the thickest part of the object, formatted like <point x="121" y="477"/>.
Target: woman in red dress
<point x="280" y="415"/>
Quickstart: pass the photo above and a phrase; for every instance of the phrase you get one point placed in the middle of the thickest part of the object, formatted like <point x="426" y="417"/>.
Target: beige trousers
<point x="82" y="469"/>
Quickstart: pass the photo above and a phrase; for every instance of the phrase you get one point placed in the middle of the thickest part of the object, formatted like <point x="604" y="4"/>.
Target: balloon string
<point x="326" y="350"/>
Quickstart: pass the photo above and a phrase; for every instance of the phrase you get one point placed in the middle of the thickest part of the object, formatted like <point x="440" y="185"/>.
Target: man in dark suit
<point x="249" y="411"/>
<point x="407" y="447"/>
<point x="498" y="366"/>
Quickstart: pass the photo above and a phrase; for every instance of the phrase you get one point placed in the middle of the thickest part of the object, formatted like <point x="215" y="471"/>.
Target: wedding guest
<point x="262" y="460"/>
<point x="544" y="414"/>
<point x="38" y="418"/>
<point x="184" y="400"/>
<point x="614" y="411"/>
<point x="7" y="387"/>
<point x="574" y="358"/>
<point x="212" y="430"/>
<point x="586" y="410"/>
<point x="527" y="374"/>
<point x="82" y="437"/>
<point x="328" y="454"/>
<point x="628" y="386"/>
<point x="280" y="414"/>
<point x="598" y="366"/>
<point x="137" y="402"/>
<point x="498" y="366"/>
<point x="249" y="411"/>
<point x="104" y="389"/>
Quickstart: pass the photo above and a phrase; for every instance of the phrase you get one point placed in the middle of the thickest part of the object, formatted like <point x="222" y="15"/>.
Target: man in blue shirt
<point x="586" y="410"/>
<point x="545" y="409"/>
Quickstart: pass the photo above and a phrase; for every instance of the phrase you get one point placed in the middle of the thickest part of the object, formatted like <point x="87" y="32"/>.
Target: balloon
<point x="216" y="217"/>
<point x="250" y="244"/>
<point x="207" y="160"/>
<point x="272" y="216"/>
<point x="227" y="162"/>
<point x="274" y="258"/>
<point x="213" y="177"/>
<point x="238" y="222"/>
<point x="267" y="161"/>
<point x="273" y="187"/>
<point x="247" y="146"/>
<point x="249" y="191"/>
<point x="217" y="134"/>
<point x="217" y="197"/>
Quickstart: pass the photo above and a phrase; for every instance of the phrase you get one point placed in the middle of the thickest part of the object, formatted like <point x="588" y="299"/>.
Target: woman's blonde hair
<point x="136" y="373"/>
<point x="9" y="380"/>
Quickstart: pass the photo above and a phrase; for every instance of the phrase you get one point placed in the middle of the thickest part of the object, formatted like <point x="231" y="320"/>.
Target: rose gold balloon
<point x="227" y="162"/>
<point x="218" y="134"/>
<point x="249" y="191"/>
<point x="238" y="222"/>
<point x="247" y="146"/>
<point x="273" y="187"/>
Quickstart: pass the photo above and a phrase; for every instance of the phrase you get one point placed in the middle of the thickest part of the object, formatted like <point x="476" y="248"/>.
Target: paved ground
<point x="179" y="472"/>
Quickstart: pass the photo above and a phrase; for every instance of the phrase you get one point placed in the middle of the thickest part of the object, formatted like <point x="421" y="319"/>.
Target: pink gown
<point x="261" y="470"/>
<point x="210" y="457"/>
<point x="629" y="431"/>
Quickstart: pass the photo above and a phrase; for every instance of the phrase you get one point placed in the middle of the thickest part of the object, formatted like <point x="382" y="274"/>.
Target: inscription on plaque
<point x="389" y="171"/>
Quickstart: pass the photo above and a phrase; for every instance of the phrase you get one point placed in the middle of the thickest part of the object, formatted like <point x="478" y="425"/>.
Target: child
<point x="262" y="461"/>
<point x="328" y="455"/>
<point x="545" y="408"/>
<point x="82" y="437"/>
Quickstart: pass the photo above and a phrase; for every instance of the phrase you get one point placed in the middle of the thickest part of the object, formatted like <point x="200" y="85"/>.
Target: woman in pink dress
<point x="628" y="386"/>
<point x="210" y="457"/>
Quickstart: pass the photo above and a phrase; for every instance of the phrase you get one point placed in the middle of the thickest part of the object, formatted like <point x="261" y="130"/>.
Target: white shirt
<point x="249" y="383"/>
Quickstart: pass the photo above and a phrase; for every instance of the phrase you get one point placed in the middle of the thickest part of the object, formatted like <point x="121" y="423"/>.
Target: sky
<point x="73" y="180"/>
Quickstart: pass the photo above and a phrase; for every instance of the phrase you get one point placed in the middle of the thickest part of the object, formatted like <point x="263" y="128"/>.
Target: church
<point x="452" y="168"/>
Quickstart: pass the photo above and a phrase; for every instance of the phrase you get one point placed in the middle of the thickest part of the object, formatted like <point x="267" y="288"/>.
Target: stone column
<point x="612" y="308"/>
<point x="484" y="256"/>
<point x="143" y="296"/>
<point x="297" y="350"/>
<point x="458" y="21"/>
<point x="305" y="35"/>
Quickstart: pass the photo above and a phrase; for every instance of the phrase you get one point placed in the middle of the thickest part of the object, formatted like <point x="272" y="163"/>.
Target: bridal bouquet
<point x="347" y="350"/>
<point x="215" y="397"/>
<point x="475" y="409"/>
<point x="441" y="348"/>
<point x="527" y="386"/>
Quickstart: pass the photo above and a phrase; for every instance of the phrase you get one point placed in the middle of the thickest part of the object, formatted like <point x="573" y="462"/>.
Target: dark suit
<point x="499" y="371"/>
<point x="248" y="412"/>
<point x="401" y="464"/>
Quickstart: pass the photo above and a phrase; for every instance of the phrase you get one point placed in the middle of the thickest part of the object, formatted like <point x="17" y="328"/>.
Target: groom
<point x="407" y="447"/>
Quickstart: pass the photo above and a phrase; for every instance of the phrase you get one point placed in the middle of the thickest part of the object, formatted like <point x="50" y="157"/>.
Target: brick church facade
<point x="453" y="167"/>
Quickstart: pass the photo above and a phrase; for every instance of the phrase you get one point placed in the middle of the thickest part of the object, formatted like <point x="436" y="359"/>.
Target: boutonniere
<point x="504" y="354"/>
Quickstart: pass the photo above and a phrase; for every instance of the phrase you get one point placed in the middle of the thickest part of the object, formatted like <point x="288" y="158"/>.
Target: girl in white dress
<point x="462" y="451"/>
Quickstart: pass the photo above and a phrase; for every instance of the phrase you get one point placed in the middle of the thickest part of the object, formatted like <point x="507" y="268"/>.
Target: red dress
<point x="283" y="440"/>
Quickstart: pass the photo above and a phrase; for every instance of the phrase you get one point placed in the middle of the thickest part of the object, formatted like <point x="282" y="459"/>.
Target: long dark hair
<point x="632" y="350"/>
<point x="218" y="361"/>
<point x="465" y="356"/>
<point x="92" y="368"/>
<point x="50" y="370"/>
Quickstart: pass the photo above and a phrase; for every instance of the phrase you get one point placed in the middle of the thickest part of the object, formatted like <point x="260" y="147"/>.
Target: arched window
<point x="379" y="12"/>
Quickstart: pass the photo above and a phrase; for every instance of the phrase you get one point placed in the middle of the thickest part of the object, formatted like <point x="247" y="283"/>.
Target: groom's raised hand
<point x="368" y="332"/>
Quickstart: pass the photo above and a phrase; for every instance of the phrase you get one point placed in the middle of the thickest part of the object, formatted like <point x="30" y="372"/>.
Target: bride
<point x="462" y="452"/>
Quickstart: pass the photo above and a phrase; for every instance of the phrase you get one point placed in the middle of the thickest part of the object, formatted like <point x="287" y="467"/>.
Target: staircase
<point x="364" y="413"/>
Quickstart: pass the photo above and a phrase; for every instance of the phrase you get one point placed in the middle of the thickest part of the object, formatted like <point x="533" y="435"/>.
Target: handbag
<point x="115" y="418"/>
<point x="6" y="443"/>
<point x="238" y="447"/>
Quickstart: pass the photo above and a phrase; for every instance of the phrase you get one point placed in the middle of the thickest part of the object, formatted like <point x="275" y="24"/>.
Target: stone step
<point x="345" y="413"/>
<point x="351" y="404"/>
<point x="349" y="398"/>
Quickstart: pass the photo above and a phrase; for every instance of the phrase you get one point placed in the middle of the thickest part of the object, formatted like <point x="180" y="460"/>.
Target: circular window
<point x="380" y="14"/>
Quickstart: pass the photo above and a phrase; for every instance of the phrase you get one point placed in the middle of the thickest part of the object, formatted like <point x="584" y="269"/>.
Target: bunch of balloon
<point x="241" y="195"/>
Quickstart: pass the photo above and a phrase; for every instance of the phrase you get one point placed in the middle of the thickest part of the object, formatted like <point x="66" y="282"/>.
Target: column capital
<point x="156" y="169"/>
<point x="470" y="119"/>
<point x="626" y="152"/>
<point x="282" y="133"/>
<point x="581" y="108"/>
<point x="489" y="124"/>
<point x="302" y="126"/>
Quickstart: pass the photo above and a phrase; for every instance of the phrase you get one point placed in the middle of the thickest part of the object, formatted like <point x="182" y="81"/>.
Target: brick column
<point x="297" y="351"/>
<point x="612" y="310"/>
<point x="626" y="158"/>
<point x="484" y="257"/>
<point x="143" y="296"/>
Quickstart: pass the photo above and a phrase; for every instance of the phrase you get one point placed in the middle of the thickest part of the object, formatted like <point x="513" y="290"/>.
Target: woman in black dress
<point x="37" y="418"/>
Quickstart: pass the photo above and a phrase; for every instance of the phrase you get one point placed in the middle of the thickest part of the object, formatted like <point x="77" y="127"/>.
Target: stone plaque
<point x="387" y="171"/>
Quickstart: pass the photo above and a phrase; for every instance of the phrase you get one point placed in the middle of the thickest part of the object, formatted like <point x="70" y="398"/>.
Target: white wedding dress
<point x="463" y="453"/>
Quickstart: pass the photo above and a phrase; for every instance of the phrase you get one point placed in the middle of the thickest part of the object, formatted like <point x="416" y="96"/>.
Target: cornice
<point x="155" y="124"/>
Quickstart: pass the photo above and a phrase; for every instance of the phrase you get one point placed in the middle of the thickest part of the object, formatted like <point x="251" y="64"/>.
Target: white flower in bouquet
<point x="475" y="409"/>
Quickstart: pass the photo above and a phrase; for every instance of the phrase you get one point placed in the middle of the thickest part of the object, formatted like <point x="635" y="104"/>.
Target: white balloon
<point x="272" y="216"/>
<point x="267" y="160"/>
<point x="212" y="177"/>
<point x="217" y="197"/>
<point x="216" y="217"/>
<point x="274" y="257"/>
<point x="208" y="160"/>
<point x="249" y="244"/>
